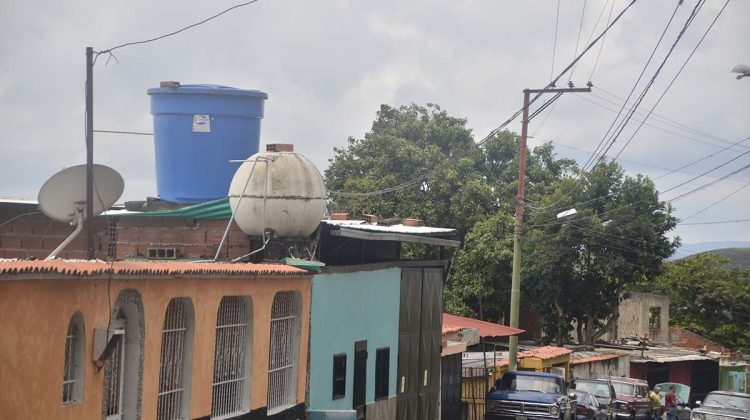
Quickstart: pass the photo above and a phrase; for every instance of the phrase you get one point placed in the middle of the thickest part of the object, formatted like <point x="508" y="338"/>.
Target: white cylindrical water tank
<point x="285" y="192"/>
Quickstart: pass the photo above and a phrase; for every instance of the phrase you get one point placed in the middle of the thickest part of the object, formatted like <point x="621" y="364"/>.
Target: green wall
<point x="348" y="307"/>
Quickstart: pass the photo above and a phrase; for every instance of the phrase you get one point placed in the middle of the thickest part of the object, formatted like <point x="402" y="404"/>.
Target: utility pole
<point x="90" y="254"/>
<point x="515" y="288"/>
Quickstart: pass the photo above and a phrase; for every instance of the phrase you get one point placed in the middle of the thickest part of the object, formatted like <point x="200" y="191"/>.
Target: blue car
<point x="530" y="395"/>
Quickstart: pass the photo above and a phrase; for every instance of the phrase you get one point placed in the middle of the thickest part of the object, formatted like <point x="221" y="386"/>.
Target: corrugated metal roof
<point x="17" y="201"/>
<point x="664" y="354"/>
<point x="577" y="359"/>
<point x="212" y="210"/>
<point x="9" y="268"/>
<point x="413" y="230"/>
<point x="486" y="329"/>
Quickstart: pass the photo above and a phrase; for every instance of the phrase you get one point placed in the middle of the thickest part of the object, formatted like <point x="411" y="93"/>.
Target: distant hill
<point x="698" y="247"/>
<point x="740" y="256"/>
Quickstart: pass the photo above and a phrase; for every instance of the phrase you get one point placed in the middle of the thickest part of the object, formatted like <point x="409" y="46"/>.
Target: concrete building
<point x="641" y="315"/>
<point x="132" y="340"/>
<point x="595" y="365"/>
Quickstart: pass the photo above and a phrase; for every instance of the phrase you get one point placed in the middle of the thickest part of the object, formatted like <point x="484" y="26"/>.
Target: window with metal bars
<point x="230" y="393"/>
<point x="284" y="351"/>
<point x="176" y="346"/>
<point x="382" y="372"/>
<point x="339" y="376"/>
<point x="114" y="376"/>
<point x="73" y="370"/>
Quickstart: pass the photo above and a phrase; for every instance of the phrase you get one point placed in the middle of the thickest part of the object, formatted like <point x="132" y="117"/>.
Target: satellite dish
<point x="63" y="197"/>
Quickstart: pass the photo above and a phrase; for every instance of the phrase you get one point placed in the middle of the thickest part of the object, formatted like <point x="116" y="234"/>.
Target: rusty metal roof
<point x="578" y="358"/>
<point x="140" y="268"/>
<point x="486" y="329"/>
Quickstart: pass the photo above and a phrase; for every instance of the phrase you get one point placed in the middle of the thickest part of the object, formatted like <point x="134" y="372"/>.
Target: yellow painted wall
<point x="34" y="317"/>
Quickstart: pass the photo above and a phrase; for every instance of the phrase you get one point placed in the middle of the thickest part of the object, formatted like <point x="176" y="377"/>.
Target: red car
<point x="633" y="395"/>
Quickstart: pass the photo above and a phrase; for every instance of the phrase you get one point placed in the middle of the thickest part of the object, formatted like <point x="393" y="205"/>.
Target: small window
<point x="654" y="318"/>
<point x="382" y="370"/>
<point x="73" y="371"/>
<point x="339" y="376"/>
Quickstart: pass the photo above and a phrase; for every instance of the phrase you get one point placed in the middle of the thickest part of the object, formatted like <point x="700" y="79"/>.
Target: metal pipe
<point x="90" y="228"/>
<point x="262" y="221"/>
<point x="234" y="212"/>
<point x="79" y="228"/>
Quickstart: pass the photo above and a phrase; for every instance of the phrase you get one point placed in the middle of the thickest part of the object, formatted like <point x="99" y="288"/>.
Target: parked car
<point x="683" y="396"/>
<point x="520" y="395"/>
<point x="721" y="405"/>
<point x="632" y="398"/>
<point x="588" y="407"/>
<point x="604" y="392"/>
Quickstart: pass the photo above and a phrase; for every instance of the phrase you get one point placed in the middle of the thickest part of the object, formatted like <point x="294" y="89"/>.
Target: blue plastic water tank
<point x="198" y="129"/>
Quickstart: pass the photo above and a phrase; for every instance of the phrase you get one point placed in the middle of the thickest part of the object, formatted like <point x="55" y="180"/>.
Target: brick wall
<point x="35" y="236"/>
<point x="690" y="340"/>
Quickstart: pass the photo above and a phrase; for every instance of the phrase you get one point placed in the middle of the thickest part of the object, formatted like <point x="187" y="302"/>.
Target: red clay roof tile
<point x="90" y="268"/>
<point x="598" y="358"/>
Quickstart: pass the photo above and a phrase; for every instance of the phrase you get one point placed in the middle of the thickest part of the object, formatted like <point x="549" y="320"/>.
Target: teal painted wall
<point x="732" y="378"/>
<point x="345" y="308"/>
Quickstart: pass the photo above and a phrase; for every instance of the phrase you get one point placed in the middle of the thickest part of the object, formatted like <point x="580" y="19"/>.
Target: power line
<point x="127" y="44"/>
<point x="716" y="202"/>
<point x="554" y="44"/>
<point x="650" y="83"/>
<point x="693" y="139"/>
<point x="578" y="39"/>
<point x="136" y="133"/>
<point x="717" y="222"/>
<point x="635" y="85"/>
<point x="601" y="46"/>
<point x="492" y="133"/>
<point x="673" y="79"/>
<point x="648" y="165"/>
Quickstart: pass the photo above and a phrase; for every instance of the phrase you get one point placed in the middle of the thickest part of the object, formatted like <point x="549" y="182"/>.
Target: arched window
<point x="284" y="351"/>
<point x="123" y="368"/>
<point x="176" y="356"/>
<point x="233" y="352"/>
<point x="73" y="371"/>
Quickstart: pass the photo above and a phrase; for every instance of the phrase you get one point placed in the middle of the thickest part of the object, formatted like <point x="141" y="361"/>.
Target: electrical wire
<point x="137" y="133"/>
<point x="673" y="79"/>
<point x="145" y="41"/>
<point x="716" y="202"/>
<point x="18" y="217"/>
<point x="601" y="46"/>
<point x="686" y="137"/>
<point x="593" y="157"/>
<point x="492" y="133"/>
<point x="578" y="39"/>
<point x="714" y="222"/>
<point x="554" y="44"/>
<point x="644" y="92"/>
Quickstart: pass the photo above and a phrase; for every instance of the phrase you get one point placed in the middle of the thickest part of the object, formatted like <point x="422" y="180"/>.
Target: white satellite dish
<point x="63" y="196"/>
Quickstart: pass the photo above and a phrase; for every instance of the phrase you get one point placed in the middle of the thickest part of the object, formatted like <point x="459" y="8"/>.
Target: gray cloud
<point x="327" y="66"/>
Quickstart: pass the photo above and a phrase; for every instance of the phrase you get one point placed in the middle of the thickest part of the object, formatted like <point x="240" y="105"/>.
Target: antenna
<point x="63" y="197"/>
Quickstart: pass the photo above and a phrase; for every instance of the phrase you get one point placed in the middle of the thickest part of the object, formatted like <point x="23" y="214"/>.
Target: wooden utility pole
<point x="515" y="288"/>
<point x="90" y="254"/>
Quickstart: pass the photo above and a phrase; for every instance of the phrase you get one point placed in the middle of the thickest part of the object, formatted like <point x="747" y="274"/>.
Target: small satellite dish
<point x="63" y="196"/>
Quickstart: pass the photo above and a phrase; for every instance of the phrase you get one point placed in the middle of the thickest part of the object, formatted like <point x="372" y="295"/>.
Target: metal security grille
<point x="171" y="380"/>
<point x="70" y="374"/>
<point x="285" y="334"/>
<point x="231" y="359"/>
<point x="114" y="378"/>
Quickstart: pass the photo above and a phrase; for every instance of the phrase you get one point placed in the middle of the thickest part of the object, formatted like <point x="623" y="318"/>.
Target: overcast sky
<point x="327" y="65"/>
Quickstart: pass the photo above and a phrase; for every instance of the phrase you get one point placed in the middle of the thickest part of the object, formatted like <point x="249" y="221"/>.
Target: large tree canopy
<point x="709" y="299"/>
<point x="574" y="271"/>
<point x="579" y="269"/>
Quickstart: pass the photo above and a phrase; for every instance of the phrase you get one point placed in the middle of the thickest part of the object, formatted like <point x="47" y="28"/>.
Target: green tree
<point x="479" y="284"/>
<point x="577" y="270"/>
<point x="709" y="299"/>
